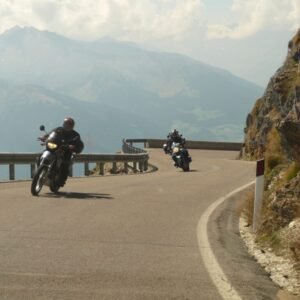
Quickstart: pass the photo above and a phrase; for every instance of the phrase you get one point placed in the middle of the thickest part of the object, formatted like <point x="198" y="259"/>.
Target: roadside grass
<point x="274" y="155"/>
<point x="268" y="234"/>
<point x="246" y="205"/>
<point x="292" y="171"/>
<point x="274" y="233"/>
<point x="270" y="239"/>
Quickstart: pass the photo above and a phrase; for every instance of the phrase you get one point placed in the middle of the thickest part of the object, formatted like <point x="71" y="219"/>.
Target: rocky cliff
<point x="273" y="126"/>
<point x="273" y="132"/>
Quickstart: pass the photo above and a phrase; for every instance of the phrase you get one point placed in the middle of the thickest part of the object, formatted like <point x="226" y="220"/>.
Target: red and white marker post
<point x="259" y="192"/>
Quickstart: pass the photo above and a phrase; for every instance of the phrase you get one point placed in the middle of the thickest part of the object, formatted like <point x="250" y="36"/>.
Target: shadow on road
<point x="190" y="171"/>
<point x="73" y="195"/>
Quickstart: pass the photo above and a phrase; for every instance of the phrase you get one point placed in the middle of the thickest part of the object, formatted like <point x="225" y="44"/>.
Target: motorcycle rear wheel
<point x="54" y="187"/>
<point x="38" y="180"/>
<point x="186" y="168"/>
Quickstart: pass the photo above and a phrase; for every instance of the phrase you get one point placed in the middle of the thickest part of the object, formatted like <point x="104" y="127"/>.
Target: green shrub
<point x="274" y="154"/>
<point x="292" y="171"/>
<point x="273" y="161"/>
<point x="272" y="239"/>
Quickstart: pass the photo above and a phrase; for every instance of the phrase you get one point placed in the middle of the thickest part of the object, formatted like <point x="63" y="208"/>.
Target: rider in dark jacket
<point x="75" y="144"/>
<point x="70" y="136"/>
<point x="174" y="137"/>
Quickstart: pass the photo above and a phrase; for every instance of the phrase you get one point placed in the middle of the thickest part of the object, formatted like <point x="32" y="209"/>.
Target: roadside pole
<point x="259" y="191"/>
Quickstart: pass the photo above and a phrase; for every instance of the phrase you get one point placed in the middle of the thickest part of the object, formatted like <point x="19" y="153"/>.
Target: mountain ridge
<point x="162" y="90"/>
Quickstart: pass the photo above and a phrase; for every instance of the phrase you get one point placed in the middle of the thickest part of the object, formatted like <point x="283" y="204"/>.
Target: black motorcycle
<point x="50" y="163"/>
<point x="180" y="155"/>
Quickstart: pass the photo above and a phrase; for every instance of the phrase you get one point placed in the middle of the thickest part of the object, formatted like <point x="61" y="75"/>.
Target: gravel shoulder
<point x="282" y="269"/>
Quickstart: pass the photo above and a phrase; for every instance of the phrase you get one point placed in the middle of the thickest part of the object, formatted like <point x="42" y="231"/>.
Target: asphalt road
<point x="127" y="236"/>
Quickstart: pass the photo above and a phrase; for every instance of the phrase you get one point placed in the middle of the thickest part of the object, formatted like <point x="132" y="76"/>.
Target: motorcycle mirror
<point x="42" y="128"/>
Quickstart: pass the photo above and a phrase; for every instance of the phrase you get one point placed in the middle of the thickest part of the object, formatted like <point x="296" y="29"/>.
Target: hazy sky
<point x="247" y="37"/>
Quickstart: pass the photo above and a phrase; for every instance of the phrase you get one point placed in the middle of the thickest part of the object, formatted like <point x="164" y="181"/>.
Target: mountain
<point x="25" y="107"/>
<point x="115" y="82"/>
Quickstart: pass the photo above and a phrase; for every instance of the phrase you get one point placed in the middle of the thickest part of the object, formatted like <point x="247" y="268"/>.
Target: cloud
<point x="256" y="15"/>
<point x="89" y="19"/>
<point x="148" y="20"/>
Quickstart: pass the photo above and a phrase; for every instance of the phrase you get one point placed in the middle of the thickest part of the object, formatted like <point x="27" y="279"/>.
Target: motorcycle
<point x="50" y="163"/>
<point x="180" y="155"/>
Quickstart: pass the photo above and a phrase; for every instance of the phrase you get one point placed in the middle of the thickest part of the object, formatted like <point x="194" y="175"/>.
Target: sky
<point x="246" y="37"/>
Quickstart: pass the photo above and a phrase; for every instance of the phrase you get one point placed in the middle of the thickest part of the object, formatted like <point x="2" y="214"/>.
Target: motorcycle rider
<point x="174" y="137"/>
<point x="75" y="144"/>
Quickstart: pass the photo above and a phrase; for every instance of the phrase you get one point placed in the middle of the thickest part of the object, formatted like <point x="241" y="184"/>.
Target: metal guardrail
<point x="131" y="155"/>
<point x="129" y="148"/>
<point x="205" y="145"/>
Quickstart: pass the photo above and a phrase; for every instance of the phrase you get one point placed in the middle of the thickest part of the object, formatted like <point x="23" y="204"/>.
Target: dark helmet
<point x="68" y="123"/>
<point x="175" y="132"/>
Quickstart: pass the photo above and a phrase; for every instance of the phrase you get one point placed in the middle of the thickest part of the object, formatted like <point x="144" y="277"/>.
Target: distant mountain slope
<point x="24" y="108"/>
<point x="156" y="90"/>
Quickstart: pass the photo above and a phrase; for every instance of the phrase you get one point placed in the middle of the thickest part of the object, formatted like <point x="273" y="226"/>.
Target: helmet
<point x="174" y="132"/>
<point x="68" y="123"/>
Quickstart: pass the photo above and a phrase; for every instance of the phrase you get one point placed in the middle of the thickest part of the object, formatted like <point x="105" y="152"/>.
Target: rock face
<point x="272" y="132"/>
<point x="275" y="118"/>
<point x="284" y="204"/>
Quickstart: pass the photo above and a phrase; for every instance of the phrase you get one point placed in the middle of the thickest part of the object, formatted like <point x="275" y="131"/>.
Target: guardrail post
<point x="32" y="170"/>
<point x="114" y="168"/>
<point x="146" y="165"/>
<point x="126" y="167"/>
<point x="71" y="171"/>
<point x="101" y="168"/>
<point x="11" y="171"/>
<point x="141" y="166"/>
<point x="134" y="167"/>
<point x="86" y="169"/>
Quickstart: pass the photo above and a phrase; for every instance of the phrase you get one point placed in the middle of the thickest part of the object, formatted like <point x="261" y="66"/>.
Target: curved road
<point x="121" y="237"/>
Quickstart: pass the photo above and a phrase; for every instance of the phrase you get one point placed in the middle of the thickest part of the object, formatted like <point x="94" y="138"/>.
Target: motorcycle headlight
<point x="176" y="149"/>
<point x="51" y="146"/>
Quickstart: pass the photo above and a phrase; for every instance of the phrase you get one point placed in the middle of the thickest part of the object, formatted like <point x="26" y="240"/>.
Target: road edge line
<point x="225" y="289"/>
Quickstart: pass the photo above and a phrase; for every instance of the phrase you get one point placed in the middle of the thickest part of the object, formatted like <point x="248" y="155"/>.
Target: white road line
<point x="226" y="290"/>
<point x="31" y="274"/>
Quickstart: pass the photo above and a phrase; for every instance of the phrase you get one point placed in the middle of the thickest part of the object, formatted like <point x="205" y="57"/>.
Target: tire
<point x="186" y="165"/>
<point x="54" y="187"/>
<point x="38" y="180"/>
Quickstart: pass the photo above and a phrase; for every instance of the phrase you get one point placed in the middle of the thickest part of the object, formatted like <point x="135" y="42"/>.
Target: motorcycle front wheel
<point x="38" y="180"/>
<point x="186" y="165"/>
